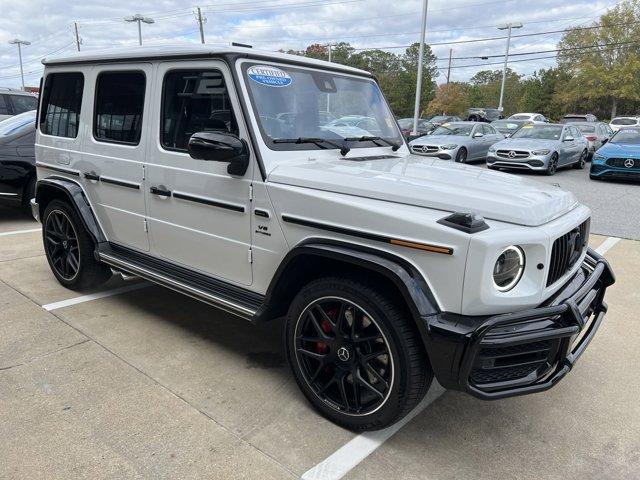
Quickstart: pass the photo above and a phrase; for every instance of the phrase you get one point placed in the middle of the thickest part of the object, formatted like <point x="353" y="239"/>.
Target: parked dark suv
<point x="14" y="102"/>
<point x="484" y="115"/>
<point x="17" y="158"/>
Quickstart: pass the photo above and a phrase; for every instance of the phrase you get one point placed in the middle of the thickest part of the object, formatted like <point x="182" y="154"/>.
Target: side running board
<point x="228" y="297"/>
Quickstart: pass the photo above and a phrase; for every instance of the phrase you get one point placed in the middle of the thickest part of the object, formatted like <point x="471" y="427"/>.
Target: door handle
<point x="160" y="191"/>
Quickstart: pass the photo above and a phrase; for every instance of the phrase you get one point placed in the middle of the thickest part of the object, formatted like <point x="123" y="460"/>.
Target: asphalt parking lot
<point x="136" y="381"/>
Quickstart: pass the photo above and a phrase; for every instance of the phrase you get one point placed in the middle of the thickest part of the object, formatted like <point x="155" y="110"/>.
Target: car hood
<point x="432" y="183"/>
<point x="439" y="139"/>
<point x="620" y="149"/>
<point x="525" y="144"/>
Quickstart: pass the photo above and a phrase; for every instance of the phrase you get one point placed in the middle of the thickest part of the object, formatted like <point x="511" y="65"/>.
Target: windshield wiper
<point x="317" y="141"/>
<point x="394" y="146"/>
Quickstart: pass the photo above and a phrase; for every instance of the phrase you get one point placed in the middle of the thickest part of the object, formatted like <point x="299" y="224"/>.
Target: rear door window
<point x="62" y="99"/>
<point x="119" y="106"/>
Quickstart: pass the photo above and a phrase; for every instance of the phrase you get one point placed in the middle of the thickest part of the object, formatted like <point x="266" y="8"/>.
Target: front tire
<point x="461" y="156"/>
<point x="69" y="249"/>
<point x="355" y="353"/>
<point x="552" y="168"/>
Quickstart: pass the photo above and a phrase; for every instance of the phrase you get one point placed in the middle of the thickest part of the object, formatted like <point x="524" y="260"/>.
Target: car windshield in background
<point x="462" y="129"/>
<point x="624" y="121"/>
<point x="587" y="128"/>
<point x="13" y="124"/>
<point x="293" y="103"/>
<point x="627" y="136"/>
<point x="507" y="125"/>
<point x="542" y="132"/>
<point x="520" y="117"/>
<point x="439" y="119"/>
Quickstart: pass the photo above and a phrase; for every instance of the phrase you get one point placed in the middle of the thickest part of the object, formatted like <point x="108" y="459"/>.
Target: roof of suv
<point x="191" y="51"/>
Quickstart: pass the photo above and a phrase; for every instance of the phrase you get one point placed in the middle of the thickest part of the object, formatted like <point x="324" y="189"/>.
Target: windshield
<point x="301" y="103"/>
<point x="507" y="125"/>
<point x="624" y="121"/>
<point x="627" y="136"/>
<point x="439" y="118"/>
<point x="541" y="132"/>
<point x="520" y="117"/>
<point x="587" y="128"/>
<point x="463" y="129"/>
<point x="14" y="124"/>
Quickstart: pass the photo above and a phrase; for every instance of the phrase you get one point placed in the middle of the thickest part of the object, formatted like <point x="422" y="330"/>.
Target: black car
<point x="17" y="158"/>
<point x="484" y="115"/>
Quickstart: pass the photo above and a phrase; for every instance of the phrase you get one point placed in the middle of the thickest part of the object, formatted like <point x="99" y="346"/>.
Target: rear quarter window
<point x="62" y="99"/>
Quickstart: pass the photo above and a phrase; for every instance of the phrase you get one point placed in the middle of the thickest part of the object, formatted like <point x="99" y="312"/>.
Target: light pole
<point x="509" y="27"/>
<point x="18" y="42"/>
<point x="423" y="34"/>
<point x="140" y="19"/>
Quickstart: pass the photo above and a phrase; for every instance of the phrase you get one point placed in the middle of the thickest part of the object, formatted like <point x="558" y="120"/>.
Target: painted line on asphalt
<point x="607" y="245"/>
<point x="18" y="232"/>
<point x="356" y="450"/>
<point x="94" y="296"/>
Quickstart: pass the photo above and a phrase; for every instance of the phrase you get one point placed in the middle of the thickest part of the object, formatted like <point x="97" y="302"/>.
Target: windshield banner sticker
<point x="269" y="76"/>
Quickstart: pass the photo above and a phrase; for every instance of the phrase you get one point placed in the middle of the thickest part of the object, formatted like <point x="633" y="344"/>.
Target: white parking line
<point x="607" y="244"/>
<point x="18" y="232"/>
<point x="94" y="296"/>
<point x="355" y="451"/>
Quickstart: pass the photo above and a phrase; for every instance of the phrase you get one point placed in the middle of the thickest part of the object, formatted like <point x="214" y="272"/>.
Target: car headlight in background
<point x="449" y="147"/>
<point x="541" y="152"/>
<point x="598" y="158"/>
<point x="508" y="268"/>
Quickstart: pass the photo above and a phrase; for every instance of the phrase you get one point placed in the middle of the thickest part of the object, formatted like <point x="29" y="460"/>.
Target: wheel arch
<point x="59" y="188"/>
<point x="316" y="258"/>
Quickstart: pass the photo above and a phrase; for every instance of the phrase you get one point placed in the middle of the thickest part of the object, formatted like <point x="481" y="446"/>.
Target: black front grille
<point x="513" y="154"/>
<point x="566" y="251"/>
<point x="624" y="162"/>
<point x="515" y="362"/>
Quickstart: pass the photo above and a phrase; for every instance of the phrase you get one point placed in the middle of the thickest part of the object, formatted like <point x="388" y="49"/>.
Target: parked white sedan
<point x="618" y="122"/>
<point x="532" y="117"/>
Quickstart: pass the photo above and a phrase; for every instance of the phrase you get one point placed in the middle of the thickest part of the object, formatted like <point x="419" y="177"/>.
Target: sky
<point x="284" y="24"/>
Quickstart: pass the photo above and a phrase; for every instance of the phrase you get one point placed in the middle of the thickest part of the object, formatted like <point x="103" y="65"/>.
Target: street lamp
<point x="423" y="33"/>
<point x="18" y="42"/>
<point x="140" y="19"/>
<point x="509" y="27"/>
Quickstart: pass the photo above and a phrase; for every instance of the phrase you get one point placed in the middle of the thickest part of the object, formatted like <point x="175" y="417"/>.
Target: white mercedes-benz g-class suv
<point x="272" y="186"/>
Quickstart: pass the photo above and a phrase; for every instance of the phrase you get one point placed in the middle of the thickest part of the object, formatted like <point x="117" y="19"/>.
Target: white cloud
<point x="274" y="24"/>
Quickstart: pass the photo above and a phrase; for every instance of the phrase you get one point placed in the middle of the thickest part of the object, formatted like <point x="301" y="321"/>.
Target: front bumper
<point x="602" y="170"/>
<point x="524" y="352"/>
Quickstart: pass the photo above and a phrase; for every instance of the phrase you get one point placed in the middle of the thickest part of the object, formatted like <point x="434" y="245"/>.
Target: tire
<point x="28" y="192"/>
<point x="581" y="161"/>
<point x="552" y="168"/>
<point x="69" y="249"/>
<point x="461" y="156"/>
<point x="320" y="365"/>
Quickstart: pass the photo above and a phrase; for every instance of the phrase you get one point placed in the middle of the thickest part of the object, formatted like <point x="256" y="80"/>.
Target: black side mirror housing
<point x="220" y="147"/>
<point x="605" y="140"/>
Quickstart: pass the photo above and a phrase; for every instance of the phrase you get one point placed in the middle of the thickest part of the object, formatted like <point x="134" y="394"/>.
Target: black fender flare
<point x="51" y="188"/>
<point x="409" y="281"/>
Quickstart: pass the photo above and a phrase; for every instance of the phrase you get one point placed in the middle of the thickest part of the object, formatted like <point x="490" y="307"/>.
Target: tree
<point x="485" y="89"/>
<point x="450" y="99"/>
<point x="602" y="63"/>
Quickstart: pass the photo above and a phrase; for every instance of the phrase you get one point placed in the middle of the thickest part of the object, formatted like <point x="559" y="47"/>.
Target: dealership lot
<point x="147" y="383"/>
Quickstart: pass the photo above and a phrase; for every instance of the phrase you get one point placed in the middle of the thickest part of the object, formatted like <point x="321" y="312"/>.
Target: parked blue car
<point x="618" y="158"/>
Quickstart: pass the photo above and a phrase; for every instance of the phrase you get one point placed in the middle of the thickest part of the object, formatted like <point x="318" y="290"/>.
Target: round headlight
<point x="508" y="268"/>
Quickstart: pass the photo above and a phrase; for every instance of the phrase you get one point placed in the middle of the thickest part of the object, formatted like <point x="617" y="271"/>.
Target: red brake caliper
<point x="322" y="347"/>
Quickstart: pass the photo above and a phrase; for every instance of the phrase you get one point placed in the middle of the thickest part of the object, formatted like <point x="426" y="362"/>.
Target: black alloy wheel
<point x="461" y="156"/>
<point x="553" y="165"/>
<point x="343" y="356"/>
<point x="61" y="243"/>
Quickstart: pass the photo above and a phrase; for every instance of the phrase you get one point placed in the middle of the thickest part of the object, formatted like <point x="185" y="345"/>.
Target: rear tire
<point x="332" y="328"/>
<point x="581" y="161"/>
<point x="69" y="249"/>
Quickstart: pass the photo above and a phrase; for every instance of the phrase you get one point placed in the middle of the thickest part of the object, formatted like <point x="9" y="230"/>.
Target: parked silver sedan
<point x="540" y="147"/>
<point x="461" y="141"/>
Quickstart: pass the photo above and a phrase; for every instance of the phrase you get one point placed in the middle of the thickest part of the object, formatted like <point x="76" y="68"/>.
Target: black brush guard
<point x="525" y="352"/>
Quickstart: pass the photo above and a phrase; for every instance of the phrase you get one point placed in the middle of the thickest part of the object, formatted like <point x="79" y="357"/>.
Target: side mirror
<point x="478" y="135"/>
<point x="568" y="139"/>
<point x="605" y="140"/>
<point x="220" y="147"/>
